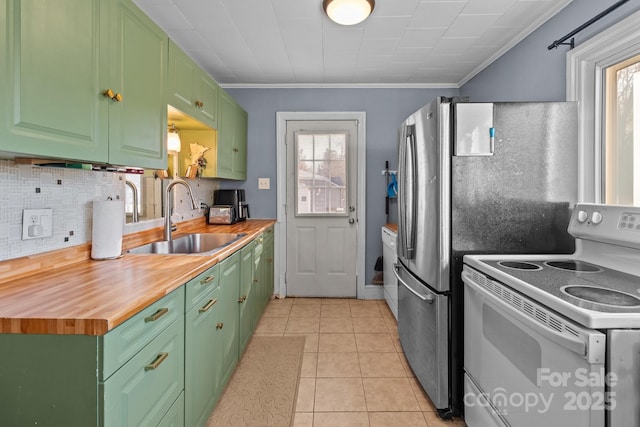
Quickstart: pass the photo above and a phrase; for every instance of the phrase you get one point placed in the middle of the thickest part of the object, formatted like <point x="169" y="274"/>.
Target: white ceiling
<point x="413" y="43"/>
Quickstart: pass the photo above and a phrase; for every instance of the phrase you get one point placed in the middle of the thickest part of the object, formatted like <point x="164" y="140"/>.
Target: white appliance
<point x="555" y="340"/>
<point x="390" y="258"/>
<point x="473" y="178"/>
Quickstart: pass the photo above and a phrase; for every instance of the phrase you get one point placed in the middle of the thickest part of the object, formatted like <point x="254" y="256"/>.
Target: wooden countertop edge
<point x="29" y="271"/>
<point x="392" y="227"/>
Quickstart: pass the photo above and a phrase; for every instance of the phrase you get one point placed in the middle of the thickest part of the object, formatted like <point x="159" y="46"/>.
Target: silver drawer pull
<point x="155" y="316"/>
<point x="207" y="279"/>
<point x="157" y="362"/>
<point x="208" y="305"/>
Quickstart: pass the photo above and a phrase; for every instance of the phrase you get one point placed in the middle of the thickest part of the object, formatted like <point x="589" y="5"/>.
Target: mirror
<point x="145" y="190"/>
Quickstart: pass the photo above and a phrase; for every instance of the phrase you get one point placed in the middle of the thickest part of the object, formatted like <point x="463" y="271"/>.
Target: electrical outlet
<point x="264" y="183"/>
<point x="37" y="223"/>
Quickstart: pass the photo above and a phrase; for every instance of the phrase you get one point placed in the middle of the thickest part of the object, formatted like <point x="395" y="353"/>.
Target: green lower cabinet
<point x="80" y="380"/>
<point x="166" y="365"/>
<point x="49" y="380"/>
<point x="175" y="415"/>
<point x="203" y="357"/>
<point x="259" y="290"/>
<point x="247" y="297"/>
<point x="144" y="389"/>
<point x="268" y="272"/>
<point x="230" y="284"/>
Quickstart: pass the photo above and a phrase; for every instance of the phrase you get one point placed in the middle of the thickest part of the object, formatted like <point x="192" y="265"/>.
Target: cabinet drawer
<point x="143" y="390"/>
<point x="199" y="286"/>
<point x="175" y="416"/>
<point x="122" y="343"/>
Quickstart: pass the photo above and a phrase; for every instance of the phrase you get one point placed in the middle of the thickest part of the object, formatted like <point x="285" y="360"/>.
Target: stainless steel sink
<point x="199" y="243"/>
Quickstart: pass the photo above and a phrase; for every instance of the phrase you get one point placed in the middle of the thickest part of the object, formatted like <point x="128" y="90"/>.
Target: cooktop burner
<point x="519" y="265"/>
<point x="602" y="296"/>
<point x="573" y="265"/>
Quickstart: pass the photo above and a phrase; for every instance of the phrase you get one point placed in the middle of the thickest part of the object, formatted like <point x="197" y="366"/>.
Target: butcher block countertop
<point x="66" y="292"/>
<point x="392" y="227"/>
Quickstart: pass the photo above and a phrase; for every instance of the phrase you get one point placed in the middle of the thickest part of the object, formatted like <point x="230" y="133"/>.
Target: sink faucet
<point x="134" y="190"/>
<point x="167" y="204"/>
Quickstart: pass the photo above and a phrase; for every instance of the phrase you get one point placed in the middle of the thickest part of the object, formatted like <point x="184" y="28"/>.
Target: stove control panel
<point x="629" y="221"/>
<point x="606" y="223"/>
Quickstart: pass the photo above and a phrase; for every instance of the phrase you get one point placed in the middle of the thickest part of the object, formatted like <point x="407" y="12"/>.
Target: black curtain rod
<point x="559" y="42"/>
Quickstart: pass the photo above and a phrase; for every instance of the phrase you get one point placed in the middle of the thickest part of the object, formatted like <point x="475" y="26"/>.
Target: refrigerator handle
<point x="406" y="193"/>
<point x="426" y="298"/>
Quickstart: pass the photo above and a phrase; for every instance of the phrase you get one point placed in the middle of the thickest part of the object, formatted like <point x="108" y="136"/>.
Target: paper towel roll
<point x="108" y="226"/>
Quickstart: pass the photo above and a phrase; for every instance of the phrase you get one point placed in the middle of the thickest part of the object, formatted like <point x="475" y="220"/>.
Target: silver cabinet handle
<point x="426" y="298"/>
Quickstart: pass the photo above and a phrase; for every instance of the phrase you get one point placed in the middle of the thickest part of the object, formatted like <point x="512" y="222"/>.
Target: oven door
<point x="533" y="366"/>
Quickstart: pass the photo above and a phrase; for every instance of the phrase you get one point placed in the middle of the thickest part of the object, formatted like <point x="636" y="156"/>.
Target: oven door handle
<point x="426" y="298"/>
<point x="575" y="345"/>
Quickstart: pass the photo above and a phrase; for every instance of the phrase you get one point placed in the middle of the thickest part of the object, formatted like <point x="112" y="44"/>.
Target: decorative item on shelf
<point x="348" y="12"/>
<point x="192" y="171"/>
<point x="161" y="173"/>
<point x="197" y="157"/>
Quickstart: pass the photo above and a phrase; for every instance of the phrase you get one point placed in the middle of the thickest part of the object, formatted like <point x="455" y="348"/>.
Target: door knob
<point x="351" y="220"/>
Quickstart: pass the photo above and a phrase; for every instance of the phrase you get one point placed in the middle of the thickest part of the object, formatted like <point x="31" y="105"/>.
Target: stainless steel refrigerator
<point x="473" y="178"/>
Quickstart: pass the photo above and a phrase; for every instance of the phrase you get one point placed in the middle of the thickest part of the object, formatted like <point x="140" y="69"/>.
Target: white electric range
<point x="555" y="339"/>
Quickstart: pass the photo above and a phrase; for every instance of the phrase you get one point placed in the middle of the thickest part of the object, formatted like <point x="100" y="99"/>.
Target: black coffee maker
<point x="236" y="200"/>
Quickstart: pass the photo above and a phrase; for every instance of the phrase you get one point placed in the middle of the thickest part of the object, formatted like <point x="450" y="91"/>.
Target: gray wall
<point x="385" y="109"/>
<point x="530" y="72"/>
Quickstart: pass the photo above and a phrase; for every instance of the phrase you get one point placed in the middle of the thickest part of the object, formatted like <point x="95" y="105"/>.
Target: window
<point x="621" y="155"/>
<point x="603" y="75"/>
<point x="321" y="175"/>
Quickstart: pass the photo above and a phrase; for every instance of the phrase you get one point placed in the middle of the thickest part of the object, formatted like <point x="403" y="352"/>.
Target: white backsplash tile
<point x="69" y="192"/>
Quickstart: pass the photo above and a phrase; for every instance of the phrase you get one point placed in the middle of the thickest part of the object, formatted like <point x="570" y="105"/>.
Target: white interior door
<point x="321" y="208"/>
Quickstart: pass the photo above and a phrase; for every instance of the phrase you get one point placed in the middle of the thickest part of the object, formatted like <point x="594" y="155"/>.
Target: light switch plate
<point x="37" y="223"/>
<point x="264" y="183"/>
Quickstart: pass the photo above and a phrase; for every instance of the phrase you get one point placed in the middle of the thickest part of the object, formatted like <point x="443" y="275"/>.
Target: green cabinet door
<point x="52" y="72"/>
<point x="240" y="144"/>
<point x="142" y="391"/>
<point x="247" y="297"/>
<point x="190" y="89"/>
<point x="181" y="80"/>
<point x="232" y="138"/>
<point x="226" y="130"/>
<point x="268" y="271"/>
<point x="138" y="71"/>
<point x="259" y="290"/>
<point x="230" y="284"/>
<point x="207" y="99"/>
<point x="203" y="357"/>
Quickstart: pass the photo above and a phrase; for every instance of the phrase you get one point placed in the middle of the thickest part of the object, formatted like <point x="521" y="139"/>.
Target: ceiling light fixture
<point x="348" y="12"/>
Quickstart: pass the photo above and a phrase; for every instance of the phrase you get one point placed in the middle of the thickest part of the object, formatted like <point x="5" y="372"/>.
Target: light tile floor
<point x="353" y="371"/>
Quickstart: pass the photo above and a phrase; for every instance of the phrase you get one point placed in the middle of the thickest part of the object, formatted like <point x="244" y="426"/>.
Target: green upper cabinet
<point x="232" y="138"/>
<point x="138" y="64"/>
<point x="190" y="89"/>
<point x="52" y="69"/>
<point x="58" y="57"/>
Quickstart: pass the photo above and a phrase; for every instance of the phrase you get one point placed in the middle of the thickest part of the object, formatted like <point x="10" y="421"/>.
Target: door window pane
<point x="622" y="133"/>
<point x="321" y="175"/>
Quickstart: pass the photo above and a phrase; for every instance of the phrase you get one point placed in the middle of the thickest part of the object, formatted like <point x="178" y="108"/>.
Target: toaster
<point x="222" y="214"/>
